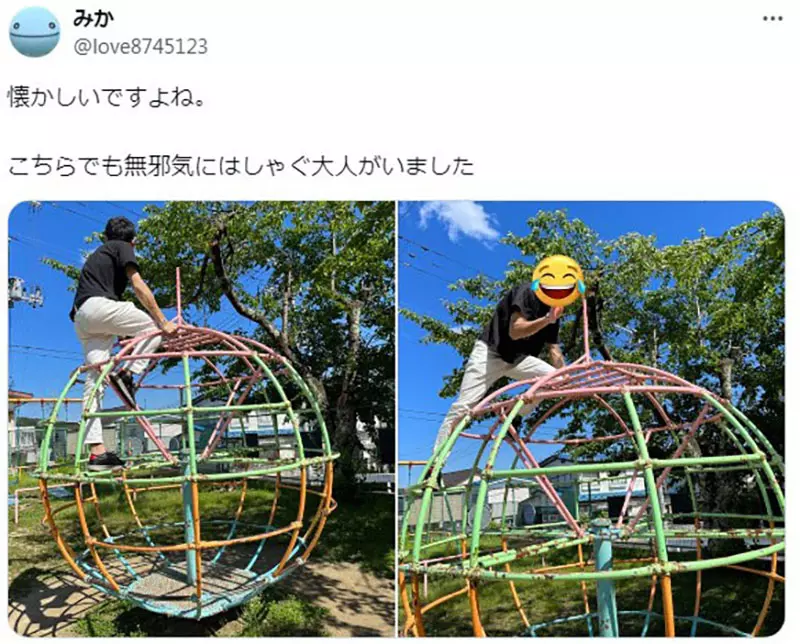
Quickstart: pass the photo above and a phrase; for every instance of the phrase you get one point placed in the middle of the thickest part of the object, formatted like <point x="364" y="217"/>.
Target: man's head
<point x="558" y="280"/>
<point x="120" y="228"/>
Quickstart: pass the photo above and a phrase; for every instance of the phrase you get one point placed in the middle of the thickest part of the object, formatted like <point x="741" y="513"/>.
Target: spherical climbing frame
<point x="596" y="381"/>
<point x="170" y="567"/>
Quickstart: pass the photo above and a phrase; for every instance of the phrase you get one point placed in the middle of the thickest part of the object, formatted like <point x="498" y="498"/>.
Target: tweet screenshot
<point x="358" y="319"/>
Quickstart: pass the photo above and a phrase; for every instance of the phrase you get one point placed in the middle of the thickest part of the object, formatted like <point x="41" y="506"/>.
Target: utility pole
<point x="18" y="293"/>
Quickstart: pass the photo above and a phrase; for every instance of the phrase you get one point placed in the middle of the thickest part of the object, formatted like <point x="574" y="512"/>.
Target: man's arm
<point x="148" y="301"/>
<point x="521" y="328"/>
<point x="555" y="356"/>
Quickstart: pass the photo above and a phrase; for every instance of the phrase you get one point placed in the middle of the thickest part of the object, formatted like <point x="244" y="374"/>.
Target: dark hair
<point x="120" y="228"/>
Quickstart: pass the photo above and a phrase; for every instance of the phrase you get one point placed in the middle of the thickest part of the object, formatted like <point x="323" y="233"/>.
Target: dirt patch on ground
<point x="359" y="604"/>
<point x="49" y="603"/>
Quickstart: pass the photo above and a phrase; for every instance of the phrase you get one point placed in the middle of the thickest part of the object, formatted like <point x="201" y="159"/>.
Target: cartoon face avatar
<point x="34" y="32"/>
<point x="558" y="280"/>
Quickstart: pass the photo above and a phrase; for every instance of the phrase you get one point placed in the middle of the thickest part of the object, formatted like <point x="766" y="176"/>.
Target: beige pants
<point x="98" y="323"/>
<point x="484" y="368"/>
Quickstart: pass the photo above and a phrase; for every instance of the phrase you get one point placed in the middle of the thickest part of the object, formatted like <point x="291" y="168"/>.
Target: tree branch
<point x="246" y="311"/>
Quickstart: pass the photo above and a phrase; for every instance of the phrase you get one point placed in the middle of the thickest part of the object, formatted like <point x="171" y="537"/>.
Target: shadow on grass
<point x="361" y="531"/>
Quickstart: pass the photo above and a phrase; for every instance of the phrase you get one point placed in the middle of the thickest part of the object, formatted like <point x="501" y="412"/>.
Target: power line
<point x="43" y="355"/>
<point x="428" y="249"/>
<point x="33" y="241"/>
<point x="422" y="270"/>
<point x="50" y="349"/>
<point x="125" y="208"/>
<point x="75" y="212"/>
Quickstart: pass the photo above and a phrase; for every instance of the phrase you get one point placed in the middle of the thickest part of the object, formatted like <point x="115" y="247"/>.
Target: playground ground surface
<point x="729" y="597"/>
<point x="347" y="588"/>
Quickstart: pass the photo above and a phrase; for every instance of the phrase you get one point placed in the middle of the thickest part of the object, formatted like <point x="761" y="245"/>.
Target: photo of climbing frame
<point x="605" y="497"/>
<point x="211" y="568"/>
<point x="192" y="451"/>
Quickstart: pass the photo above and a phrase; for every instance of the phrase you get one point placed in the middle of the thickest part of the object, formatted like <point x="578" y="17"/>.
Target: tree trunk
<point x="726" y="378"/>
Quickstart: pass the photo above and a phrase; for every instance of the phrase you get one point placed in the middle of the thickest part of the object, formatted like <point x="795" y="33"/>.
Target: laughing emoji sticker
<point x="558" y="280"/>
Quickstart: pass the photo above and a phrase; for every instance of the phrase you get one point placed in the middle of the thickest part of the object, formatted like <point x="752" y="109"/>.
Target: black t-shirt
<point x="103" y="274"/>
<point x="520" y="298"/>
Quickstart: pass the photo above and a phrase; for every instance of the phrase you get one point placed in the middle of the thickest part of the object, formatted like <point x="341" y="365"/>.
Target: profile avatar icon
<point x="558" y="280"/>
<point x="34" y="32"/>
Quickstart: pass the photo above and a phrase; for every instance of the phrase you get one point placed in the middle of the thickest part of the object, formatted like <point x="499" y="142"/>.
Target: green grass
<point x="274" y="614"/>
<point x="729" y="597"/>
<point x="360" y="532"/>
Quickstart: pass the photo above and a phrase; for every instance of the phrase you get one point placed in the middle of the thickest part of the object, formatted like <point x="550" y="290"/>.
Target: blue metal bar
<point x="606" y="593"/>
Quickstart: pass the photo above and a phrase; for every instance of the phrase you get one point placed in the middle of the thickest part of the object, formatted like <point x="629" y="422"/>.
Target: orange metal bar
<point x="760" y="573"/>
<point x="699" y="577"/>
<point x="202" y="545"/>
<point x="441" y="600"/>
<point x="477" y="627"/>
<point x="407" y="611"/>
<point x="275" y="499"/>
<point x="198" y="553"/>
<point x="327" y="505"/>
<point x="669" y="613"/>
<point x="514" y="594"/>
<point x="770" y="589"/>
<point x="584" y="590"/>
<point x="90" y="541"/>
<point x="417" y="606"/>
<point x="66" y="550"/>
<point x="298" y="522"/>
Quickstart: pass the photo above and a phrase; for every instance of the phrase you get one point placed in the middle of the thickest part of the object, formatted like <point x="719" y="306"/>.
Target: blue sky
<point x="44" y="349"/>
<point x="462" y="238"/>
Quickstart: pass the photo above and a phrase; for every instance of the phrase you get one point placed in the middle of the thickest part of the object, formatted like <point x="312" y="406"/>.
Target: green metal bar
<point x="466" y="506"/>
<point x="282" y="394"/>
<point x="561" y="542"/>
<point x="82" y="425"/>
<point x="44" y="455"/>
<point x="189" y="472"/>
<point x="483" y="488"/>
<point x="429" y="475"/>
<point x="650" y="480"/>
<point x="642" y="571"/>
<point x="758" y="474"/>
<point x="776" y="458"/>
<point x="723" y="470"/>
<point x="183" y="410"/>
<point x="773" y="481"/>
<point x="733" y="533"/>
<point x="567" y="469"/>
<point x="457" y="537"/>
<point x="312" y="400"/>
<point x="703" y="460"/>
<point x="722" y="515"/>
<point x="221" y="476"/>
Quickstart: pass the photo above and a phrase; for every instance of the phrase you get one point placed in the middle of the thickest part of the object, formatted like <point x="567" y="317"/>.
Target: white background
<point x="594" y="99"/>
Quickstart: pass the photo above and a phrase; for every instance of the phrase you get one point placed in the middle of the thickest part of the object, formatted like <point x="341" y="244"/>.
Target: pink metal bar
<point x="586" y="350"/>
<point x="225" y="420"/>
<point x="178" y="293"/>
<point x="147" y="427"/>
<point x="699" y="421"/>
<point x="544" y="482"/>
<point x="200" y="385"/>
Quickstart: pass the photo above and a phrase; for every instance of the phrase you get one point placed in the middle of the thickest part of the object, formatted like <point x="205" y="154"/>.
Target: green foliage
<point x="710" y="309"/>
<point x="274" y="615"/>
<point x="317" y="279"/>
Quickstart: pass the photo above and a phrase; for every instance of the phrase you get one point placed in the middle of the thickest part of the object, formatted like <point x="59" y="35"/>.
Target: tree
<point x="710" y="310"/>
<point x="316" y="278"/>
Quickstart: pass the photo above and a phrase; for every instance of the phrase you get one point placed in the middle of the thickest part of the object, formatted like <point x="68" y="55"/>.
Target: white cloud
<point x="461" y="328"/>
<point x="460" y="218"/>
